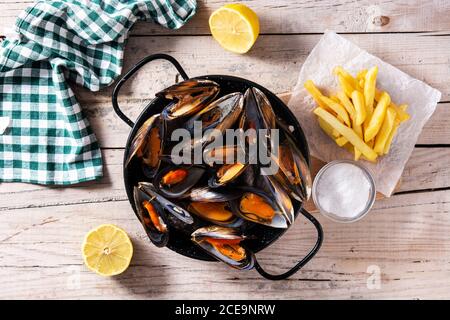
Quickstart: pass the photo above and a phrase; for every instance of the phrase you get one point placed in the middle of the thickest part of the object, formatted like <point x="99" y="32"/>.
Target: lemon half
<point x="235" y="27"/>
<point x="107" y="250"/>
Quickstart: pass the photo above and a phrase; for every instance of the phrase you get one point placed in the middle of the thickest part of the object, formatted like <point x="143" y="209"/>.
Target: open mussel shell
<point x="258" y="111"/>
<point x="152" y="216"/>
<point x="148" y="144"/>
<point x="189" y="96"/>
<point x="219" y="213"/>
<point x="226" y="173"/>
<point x="259" y="207"/>
<point x="224" y="244"/>
<point x="279" y="195"/>
<point x="176" y="181"/>
<point x="219" y="115"/>
<point x="265" y="108"/>
<point x="214" y="205"/>
<point x="294" y="173"/>
<point x="176" y="211"/>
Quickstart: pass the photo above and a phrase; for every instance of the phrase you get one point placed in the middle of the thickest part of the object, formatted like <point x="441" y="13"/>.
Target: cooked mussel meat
<point x="279" y="195"/>
<point x="226" y="173"/>
<point x="175" y="181"/>
<point x="294" y="173"/>
<point x="152" y="217"/>
<point x="257" y="206"/>
<point x="219" y="213"/>
<point x="189" y="96"/>
<point x="224" y="244"/>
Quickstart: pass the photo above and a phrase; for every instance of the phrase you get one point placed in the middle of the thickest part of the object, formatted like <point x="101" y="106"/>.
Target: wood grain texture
<point x="302" y="16"/>
<point x="275" y="61"/>
<point x="408" y="241"/>
<point x="406" y="236"/>
<point x="425" y="170"/>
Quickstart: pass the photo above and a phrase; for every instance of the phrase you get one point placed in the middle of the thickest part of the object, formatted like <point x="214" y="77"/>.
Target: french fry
<point x="345" y="101"/>
<point x="358" y="102"/>
<point x="315" y="93"/>
<point x="348" y="133"/>
<point x="402" y="115"/>
<point x="345" y="85"/>
<point x="387" y="146"/>
<point x="335" y="99"/>
<point x="361" y="75"/>
<point x="329" y="130"/>
<point x="358" y="129"/>
<point x="377" y="118"/>
<point x="336" y="107"/>
<point x="385" y="131"/>
<point x="370" y="81"/>
<point x="347" y="76"/>
<point x="360" y="117"/>
<point x="341" y="141"/>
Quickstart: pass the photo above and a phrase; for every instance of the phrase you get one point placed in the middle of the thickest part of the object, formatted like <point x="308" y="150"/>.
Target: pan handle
<point x="302" y="262"/>
<point x="136" y="67"/>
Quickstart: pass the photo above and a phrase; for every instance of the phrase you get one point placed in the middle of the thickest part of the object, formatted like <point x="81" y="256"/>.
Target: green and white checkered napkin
<point x="48" y="139"/>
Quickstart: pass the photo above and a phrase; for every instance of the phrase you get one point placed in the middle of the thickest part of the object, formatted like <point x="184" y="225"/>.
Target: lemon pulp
<point x="235" y="27"/>
<point x="107" y="250"/>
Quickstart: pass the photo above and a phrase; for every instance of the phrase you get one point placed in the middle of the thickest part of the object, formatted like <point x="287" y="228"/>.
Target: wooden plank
<point x="275" y="61"/>
<point x="406" y="237"/>
<point x="299" y="16"/>
<point x="427" y="169"/>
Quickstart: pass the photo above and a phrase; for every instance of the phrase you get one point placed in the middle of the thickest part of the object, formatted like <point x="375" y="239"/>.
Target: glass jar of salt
<point x="344" y="191"/>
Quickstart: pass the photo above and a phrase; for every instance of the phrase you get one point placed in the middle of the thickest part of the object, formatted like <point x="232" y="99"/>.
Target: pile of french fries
<point x="359" y="117"/>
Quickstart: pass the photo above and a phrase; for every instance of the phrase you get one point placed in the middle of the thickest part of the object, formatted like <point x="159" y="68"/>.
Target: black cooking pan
<point x="260" y="236"/>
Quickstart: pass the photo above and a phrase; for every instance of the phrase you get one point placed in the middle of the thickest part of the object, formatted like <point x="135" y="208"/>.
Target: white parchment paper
<point x="333" y="50"/>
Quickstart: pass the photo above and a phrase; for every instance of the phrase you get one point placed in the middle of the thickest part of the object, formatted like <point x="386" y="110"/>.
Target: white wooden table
<point x="406" y="238"/>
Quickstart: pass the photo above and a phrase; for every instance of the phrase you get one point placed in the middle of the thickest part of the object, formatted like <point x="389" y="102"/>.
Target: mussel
<point x="226" y="173"/>
<point x="152" y="217"/>
<point x="258" y="206"/>
<point x="219" y="213"/>
<point x="175" y="181"/>
<point x="279" y="195"/>
<point x="265" y="108"/>
<point x="189" y="96"/>
<point x="294" y="173"/>
<point x="260" y="117"/>
<point x="148" y="144"/>
<point x="219" y="115"/>
<point x="175" y="210"/>
<point x="258" y="111"/>
<point x="224" y="244"/>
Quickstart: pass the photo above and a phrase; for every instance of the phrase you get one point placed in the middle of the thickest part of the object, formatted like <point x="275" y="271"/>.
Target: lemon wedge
<point x="235" y="27"/>
<point x="107" y="250"/>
